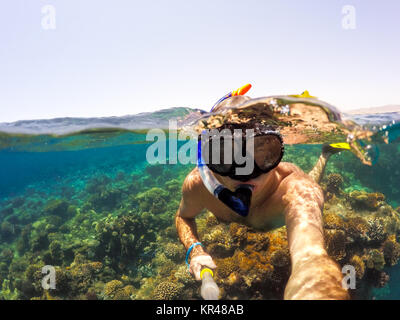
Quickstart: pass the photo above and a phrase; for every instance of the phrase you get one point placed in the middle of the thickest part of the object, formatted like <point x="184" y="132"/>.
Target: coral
<point x="359" y="266"/>
<point x="377" y="278"/>
<point x="153" y="200"/>
<point x="163" y="264"/>
<point x="238" y="233"/>
<point x="115" y="290"/>
<point x="56" y="252"/>
<point x="30" y="284"/>
<point x="280" y="258"/>
<point x="174" y="252"/>
<point x="125" y="293"/>
<point x="333" y="221"/>
<point x="146" y="289"/>
<point x="183" y="276"/>
<point x="167" y="290"/>
<point x="65" y="287"/>
<point x="155" y="170"/>
<point x="334" y="182"/>
<point x="125" y="220"/>
<point x="385" y="210"/>
<point x="173" y="186"/>
<point x="225" y="267"/>
<point x="6" y="292"/>
<point x="257" y="241"/>
<point x="97" y="184"/>
<point x="91" y="294"/>
<point x="375" y="259"/>
<point x="123" y="239"/>
<point x="335" y="241"/>
<point x="111" y="288"/>
<point x="362" y="199"/>
<point x="105" y="200"/>
<point x="391" y="251"/>
<point x="84" y="273"/>
<point x="23" y="241"/>
<point x="218" y="241"/>
<point x="39" y="241"/>
<point x="57" y="207"/>
<point x="376" y="231"/>
<point x="6" y="255"/>
<point x="357" y="228"/>
<point x="211" y="220"/>
<point x="8" y="231"/>
<point x="3" y="270"/>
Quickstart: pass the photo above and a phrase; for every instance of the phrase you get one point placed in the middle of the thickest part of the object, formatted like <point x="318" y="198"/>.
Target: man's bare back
<point x="284" y="195"/>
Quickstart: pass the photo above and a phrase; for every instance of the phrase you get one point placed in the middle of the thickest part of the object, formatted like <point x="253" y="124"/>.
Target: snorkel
<point x="265" y="136"/>
<point x="238" y="201"/>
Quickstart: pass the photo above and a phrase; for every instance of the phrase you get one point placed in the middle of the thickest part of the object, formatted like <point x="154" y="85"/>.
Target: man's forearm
<point x="314" y="274"/>
<point x="187" y="233"/>
<point x="316" y="278"/>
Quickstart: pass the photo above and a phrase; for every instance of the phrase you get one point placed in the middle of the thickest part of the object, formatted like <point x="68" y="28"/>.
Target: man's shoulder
<point x="291" y="174"/>
<point x="284" y="169"/>
<point x="192" y="181"/>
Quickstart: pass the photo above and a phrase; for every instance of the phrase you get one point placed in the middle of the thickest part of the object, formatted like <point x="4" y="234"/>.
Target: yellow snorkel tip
<point x="304" y="94"/>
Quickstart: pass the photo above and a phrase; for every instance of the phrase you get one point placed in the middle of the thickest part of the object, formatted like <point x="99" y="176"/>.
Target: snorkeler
<point x="271" y="194"/>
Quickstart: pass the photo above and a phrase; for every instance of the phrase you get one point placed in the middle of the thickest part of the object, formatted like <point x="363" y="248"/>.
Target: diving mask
<point x="228" y="149"/>
<point x="266" y="154"/>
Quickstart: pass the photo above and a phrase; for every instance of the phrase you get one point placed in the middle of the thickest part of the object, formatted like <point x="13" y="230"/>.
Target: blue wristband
<point x="190" y="250"/>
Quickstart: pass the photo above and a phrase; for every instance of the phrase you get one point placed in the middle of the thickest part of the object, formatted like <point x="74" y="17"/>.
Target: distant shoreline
<point x="375" y="110"/>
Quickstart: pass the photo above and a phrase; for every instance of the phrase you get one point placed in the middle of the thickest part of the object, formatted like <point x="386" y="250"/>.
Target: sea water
<point x="88" y="203"/>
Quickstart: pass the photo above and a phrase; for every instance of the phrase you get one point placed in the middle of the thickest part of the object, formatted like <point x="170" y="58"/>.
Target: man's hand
<point x="199" y="262"/>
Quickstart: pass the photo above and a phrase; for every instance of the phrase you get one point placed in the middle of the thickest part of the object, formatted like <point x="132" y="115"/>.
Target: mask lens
<point x="220" y="154"/>
<point x="267" y="151"/>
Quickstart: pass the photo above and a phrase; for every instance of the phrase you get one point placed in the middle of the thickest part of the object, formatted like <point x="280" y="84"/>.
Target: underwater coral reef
<point x="108" y="229"/>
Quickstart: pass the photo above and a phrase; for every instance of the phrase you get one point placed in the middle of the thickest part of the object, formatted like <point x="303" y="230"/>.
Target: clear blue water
<point x="78" y="168"/>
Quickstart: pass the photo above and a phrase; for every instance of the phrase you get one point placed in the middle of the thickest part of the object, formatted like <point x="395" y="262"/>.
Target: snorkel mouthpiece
<point x="238" y="201"/>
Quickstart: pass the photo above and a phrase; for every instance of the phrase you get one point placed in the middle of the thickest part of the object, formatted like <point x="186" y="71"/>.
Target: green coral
<point x="7" y="293"/>
<point x="115" y="290"/>
<point x="175" y="252"/>
<point x="167" y="290"/>
<point x="153" y="200"/>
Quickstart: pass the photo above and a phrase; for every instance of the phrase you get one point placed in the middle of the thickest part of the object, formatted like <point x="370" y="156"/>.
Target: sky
<point x="93" y="58"/>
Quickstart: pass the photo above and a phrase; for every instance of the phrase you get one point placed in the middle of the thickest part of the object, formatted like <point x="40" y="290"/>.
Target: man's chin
<point x="255" y="183"/>
<point x="250" y="182"/>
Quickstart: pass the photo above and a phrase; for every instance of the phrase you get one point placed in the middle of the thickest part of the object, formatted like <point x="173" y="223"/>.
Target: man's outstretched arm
<point x="185" y="223"/>
<point x="314" y="274"/>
